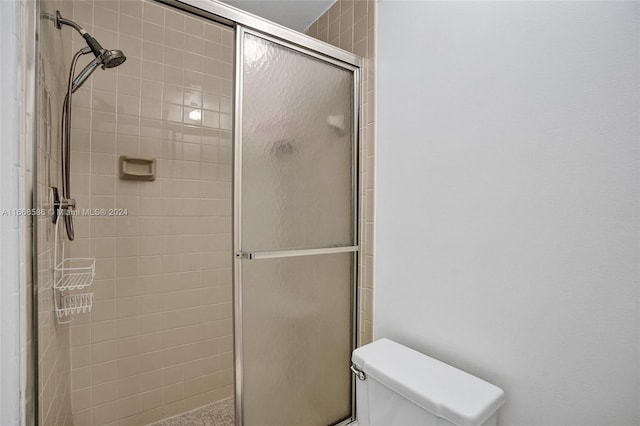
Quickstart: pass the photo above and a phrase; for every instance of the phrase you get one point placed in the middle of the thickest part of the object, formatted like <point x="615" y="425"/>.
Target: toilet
<point x="398" y="386"/>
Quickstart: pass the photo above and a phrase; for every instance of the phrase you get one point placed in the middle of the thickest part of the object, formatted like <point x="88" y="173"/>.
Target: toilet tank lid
<point x="443" y="390"/>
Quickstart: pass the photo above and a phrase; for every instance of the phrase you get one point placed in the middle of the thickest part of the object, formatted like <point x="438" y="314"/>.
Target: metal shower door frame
<point x="225" y="14"/>
<point x="240" y="255"/>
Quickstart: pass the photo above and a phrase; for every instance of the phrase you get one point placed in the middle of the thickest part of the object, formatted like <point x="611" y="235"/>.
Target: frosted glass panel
<point x="297" y="340"/>
<point x="297" y="126"/>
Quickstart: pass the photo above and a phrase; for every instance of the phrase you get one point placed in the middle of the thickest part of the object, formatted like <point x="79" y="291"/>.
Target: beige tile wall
<point x="159" y="339"/>
<point x="53" y="339"/>
<point x="350" y="25"/>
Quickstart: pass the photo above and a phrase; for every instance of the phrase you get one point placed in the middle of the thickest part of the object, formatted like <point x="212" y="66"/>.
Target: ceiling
<point x="295" y="14"/>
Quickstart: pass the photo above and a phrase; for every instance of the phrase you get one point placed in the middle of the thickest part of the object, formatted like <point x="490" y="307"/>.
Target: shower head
<point x="106" y="58"/>
<point x="112" y="58"/>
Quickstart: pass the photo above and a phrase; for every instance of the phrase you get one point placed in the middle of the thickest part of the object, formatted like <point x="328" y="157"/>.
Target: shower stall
<point x="210" y="184"/>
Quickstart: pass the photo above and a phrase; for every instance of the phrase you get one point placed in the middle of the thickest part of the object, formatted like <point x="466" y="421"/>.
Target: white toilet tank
<point x="403" y="387"/>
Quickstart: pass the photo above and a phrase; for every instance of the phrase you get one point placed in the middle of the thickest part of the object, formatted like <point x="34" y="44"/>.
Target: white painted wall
<point x="10" y="227"/>
<point x="507" y="199"/>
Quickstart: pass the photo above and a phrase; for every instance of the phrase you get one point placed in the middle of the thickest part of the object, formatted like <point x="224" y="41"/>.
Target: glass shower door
<point x="295" y="235"/>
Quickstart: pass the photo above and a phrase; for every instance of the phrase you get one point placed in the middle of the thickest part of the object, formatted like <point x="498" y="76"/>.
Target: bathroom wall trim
<point x="11" y="247"/>
<point x="32" y="371"/>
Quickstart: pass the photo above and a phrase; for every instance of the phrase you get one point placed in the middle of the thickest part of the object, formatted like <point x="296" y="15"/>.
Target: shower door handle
<point x="257" y="255"/>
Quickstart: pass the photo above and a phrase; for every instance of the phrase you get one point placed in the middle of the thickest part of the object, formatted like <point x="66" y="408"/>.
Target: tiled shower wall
<point x="350" y="25"/>
<point x="53" y="339"/>
<point x="158" y="341"/>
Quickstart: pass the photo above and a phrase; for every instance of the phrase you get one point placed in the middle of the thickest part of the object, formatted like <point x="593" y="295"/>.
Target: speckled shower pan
<point x="217" y="414"/>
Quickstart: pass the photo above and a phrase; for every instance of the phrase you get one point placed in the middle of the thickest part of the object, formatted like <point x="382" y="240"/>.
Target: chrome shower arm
<point x="95" y="46"/>
<point x="60" y="21"/>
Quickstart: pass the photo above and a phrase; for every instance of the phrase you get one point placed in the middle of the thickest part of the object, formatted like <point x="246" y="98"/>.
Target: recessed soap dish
<point x="137" y="168"/>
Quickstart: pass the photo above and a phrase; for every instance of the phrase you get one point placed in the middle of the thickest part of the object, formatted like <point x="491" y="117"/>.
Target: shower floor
<point x="219" y="413"/>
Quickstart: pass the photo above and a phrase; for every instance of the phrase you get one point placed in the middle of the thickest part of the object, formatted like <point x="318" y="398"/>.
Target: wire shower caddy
<point x="70" y="275"/>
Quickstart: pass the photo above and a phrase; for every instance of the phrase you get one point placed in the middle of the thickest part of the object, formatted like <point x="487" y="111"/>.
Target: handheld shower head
<point x="108" y="59"/>
<point x="84" y="74"/>
<point x="112" y="58"/>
